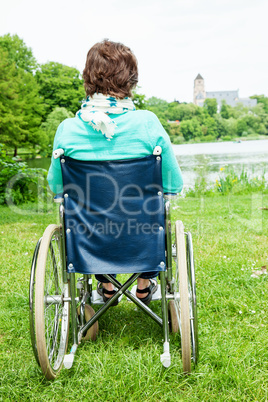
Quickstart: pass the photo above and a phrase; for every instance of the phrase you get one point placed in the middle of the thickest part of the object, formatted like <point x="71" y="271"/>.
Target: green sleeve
<point x="54" y="176"/>
<point x="171" y="173"/>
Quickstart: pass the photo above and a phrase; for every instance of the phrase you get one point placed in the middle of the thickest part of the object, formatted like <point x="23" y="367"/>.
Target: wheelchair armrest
<point x="58" y="198"/>
<point x="169" y="196"/>
<point x="57" y="153"/>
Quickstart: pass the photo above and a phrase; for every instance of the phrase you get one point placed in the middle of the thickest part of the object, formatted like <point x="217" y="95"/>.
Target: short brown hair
<point x="111" y="69"/>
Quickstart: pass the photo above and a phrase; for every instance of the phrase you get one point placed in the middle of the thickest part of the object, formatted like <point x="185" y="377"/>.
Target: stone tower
<point x="199" y="90"/>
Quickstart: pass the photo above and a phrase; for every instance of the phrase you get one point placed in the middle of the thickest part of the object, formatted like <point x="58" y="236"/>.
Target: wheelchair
<point x="127" y="193"/>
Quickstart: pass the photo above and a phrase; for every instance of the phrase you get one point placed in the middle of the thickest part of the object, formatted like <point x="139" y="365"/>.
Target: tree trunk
<point x="15" y="151"/>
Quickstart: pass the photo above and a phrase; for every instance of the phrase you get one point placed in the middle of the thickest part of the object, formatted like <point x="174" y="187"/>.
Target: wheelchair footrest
<point x="165" y="357"/>
<point x="156" y="295"/>
<point x="69" y="359"/>
<point x="97" y="299"/>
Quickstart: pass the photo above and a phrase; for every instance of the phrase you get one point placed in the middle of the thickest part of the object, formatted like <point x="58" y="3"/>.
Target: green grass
<point x="230" y="242"/>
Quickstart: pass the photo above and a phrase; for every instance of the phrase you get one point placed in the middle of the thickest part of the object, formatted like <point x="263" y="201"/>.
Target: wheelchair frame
<point x="52" y="295"/>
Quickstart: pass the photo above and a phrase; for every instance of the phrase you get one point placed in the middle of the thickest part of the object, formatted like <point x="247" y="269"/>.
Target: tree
<point x="211" y="106"/>
<point x="259" y="110"/>
<point x="263" y="100"/>
<point x="241" y="126"/>
<point x="18" y="52"/>
<point x="209" y="127"/>
<point x="157" y="102"/>
<point x="139" y="100"/>
<point x="31" y="107"/>
<point x="225" y="110"/>
<point x="60" y="86"/>
<point x="190" y="129"/>
<point x="222" y="126"/>
<point x="231" y="126"/>
<point x="184" y="111"/>
<point x="158" y="106"/>
<point x="165" y="124"/>
<point x="11" y="121"/>
<point x="21" y="105"/>
<point x="49" y="127"/>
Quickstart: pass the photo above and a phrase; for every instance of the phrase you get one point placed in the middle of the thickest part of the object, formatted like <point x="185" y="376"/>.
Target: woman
<point x="108" y="128"/>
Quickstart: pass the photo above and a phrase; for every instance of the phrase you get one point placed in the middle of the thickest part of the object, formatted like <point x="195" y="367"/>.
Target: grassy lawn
<point x="230" y="243"/>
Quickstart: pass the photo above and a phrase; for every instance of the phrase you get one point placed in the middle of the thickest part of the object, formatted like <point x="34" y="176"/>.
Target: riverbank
<point x="230" y="244"/>
<point x="221" y="153"/>
<point x="226" y="147"/>
<point x="29" y="154"/>
<point x="208" y="160"/>
<point x="250" y="137"/>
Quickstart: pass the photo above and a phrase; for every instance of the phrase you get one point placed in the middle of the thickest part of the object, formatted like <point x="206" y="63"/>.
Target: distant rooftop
<point x="199" y="77"/>
<point x="230" y="97"/>
<point x="223" y="93"/>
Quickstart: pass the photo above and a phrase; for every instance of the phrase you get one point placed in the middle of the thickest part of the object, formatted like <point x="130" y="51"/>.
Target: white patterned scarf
<point x="95" y="111"/>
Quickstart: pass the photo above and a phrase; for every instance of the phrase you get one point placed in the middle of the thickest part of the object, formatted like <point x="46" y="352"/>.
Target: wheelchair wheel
<point x="181" y="297"/>
<point x="174" y="322"/>
<point x="92" y="332"/>
<point x="52" y="310"/>
<point x="32" y="301"/>
<point x="192" y="297"/>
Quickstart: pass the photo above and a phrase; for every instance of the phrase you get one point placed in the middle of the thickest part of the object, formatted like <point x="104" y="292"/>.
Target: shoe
<point x="102" y="291"/>
<point x="151" y="289"/>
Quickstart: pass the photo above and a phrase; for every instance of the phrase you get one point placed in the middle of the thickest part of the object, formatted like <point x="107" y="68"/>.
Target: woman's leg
<point x="106" y="284"/>
<point x="146" y="280"/>
<point x="102" y="279"/>
<point x="149" y="275"/>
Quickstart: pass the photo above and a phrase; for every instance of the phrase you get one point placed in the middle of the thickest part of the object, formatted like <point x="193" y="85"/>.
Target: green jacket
<point x="136" y="135"/>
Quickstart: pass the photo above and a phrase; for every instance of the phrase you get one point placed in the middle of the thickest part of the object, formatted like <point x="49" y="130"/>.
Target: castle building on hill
<point x="230" y="97"/>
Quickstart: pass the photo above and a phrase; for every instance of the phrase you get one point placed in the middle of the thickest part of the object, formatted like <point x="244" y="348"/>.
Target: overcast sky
<point x="174" y="40"/>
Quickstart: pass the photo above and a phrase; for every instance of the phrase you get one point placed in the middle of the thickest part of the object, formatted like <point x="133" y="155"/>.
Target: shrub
<point x="18" y="182"/>
<point x="201" y="186"/>
<point x="229" y="181"/>
<point x="226" y="138"/>
<point x="49" y="127"/>
<point x="232" y="182"/>
<point x="208" y="138"/>
<point x="178" y="139"/>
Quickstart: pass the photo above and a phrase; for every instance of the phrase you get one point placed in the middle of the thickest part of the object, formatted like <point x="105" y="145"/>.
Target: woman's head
<point x="111" y="69"/>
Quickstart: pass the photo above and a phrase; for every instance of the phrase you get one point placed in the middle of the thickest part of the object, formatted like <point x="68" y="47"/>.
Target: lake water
<point x="250" y="155"/>
<point x="43" y="163"/>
